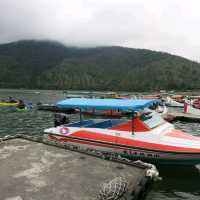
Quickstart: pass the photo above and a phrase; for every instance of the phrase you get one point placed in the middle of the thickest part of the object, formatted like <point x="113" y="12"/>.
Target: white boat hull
<point x="133" y="153"/>
<point x="172" y="103"/>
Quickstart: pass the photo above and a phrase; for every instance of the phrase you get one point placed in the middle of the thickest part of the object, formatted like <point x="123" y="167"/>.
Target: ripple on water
<point x="175" y="195"/>
<point x="193" y="128"/>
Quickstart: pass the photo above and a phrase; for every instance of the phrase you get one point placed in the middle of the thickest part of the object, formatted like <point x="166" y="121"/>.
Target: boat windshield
<point x="152" y="120"/>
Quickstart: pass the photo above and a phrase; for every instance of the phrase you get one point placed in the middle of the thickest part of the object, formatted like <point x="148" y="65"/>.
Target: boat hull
<point x="172" y="103"/>
<point x="6" y="104"/>
<point x="130" y="152"/>
<point x="25" y="109"/>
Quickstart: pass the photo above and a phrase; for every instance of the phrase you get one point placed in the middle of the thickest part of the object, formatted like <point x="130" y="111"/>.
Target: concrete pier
<point x="35" y="171"/>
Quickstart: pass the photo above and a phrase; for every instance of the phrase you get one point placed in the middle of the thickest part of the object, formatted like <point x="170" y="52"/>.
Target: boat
<point x="23" y="109"/>
<point x="161" y="110"/>
<point x="54" y="108"/>
<point x="8" y="104"/>
<point x="104" y="113"/>
<point x="155" y="96"/>
<point x="190" y="109"/>
<point x="144" y="136"/>
<point x="173" y="103"/>
<point x="196" y="103"/>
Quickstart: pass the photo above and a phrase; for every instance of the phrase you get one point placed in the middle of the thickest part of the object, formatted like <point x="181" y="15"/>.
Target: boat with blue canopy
<point x="114" y="108"/>
<point x="145" y="136"/>
<point x="103" y="104"/>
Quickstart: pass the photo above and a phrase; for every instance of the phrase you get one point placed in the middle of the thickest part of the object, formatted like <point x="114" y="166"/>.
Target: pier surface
<point x="34" y="171"/>
<point x="184" y="116"/>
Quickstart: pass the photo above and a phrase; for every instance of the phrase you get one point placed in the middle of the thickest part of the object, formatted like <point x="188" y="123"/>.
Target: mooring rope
<point x="113" y="190"/>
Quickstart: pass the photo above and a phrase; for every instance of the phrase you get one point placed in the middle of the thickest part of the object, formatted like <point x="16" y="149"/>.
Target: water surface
<point x="178" y="182"/>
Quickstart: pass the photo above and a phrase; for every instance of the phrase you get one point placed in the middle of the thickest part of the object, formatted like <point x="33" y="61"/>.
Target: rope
<point x="113" y="190"/>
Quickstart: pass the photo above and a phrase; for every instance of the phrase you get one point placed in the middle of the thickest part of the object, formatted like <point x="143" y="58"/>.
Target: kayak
<point x="8" y="104"/>
<point x="22" y="109"/>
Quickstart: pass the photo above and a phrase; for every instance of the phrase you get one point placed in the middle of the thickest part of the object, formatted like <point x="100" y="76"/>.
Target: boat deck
<point x="31" y="170"/>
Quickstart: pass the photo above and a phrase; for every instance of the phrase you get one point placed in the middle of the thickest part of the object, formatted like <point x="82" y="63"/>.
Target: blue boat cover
<point x="106" y="104"/>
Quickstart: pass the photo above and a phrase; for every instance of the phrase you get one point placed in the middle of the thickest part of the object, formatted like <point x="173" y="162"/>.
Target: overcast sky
<point x="164" y="25"/>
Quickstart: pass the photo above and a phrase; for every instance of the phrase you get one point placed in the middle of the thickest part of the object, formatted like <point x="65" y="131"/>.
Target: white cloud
<point x="170" y="25"/>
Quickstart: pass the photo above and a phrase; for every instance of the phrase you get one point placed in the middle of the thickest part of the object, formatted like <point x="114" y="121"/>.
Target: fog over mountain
<point x="169" y="26"/>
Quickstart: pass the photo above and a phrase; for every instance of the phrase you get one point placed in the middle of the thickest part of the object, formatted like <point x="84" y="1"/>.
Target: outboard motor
<point x="60" y="119"/>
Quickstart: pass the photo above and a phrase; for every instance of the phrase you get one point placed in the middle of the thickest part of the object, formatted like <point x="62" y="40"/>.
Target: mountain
<point x="51" y="65"/>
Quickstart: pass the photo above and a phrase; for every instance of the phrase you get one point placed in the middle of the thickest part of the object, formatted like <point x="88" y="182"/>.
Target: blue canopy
<point x="106" y="104"/>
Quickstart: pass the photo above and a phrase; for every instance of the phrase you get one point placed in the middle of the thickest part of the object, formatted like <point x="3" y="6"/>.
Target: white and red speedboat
<point x="174" y="102"/>
<point x="146" y="136"/>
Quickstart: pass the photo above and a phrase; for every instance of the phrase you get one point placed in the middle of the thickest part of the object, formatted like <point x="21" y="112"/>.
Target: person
<point x="29" y="106"/>
<point x="39" y="103"/>
<point x="11" y="100"/>
<point x="60" y="119"/>
<point x="21" y="104"/>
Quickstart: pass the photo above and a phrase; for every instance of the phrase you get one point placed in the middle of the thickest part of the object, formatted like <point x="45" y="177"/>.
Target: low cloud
<point x="170" y="26"/>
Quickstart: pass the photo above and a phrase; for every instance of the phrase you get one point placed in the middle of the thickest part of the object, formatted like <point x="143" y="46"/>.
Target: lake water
<point x="177" y="182"/>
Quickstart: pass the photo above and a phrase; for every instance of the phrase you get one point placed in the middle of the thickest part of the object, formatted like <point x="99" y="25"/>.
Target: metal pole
<point x="132" y="122"/>
<point x="80" y="117"/>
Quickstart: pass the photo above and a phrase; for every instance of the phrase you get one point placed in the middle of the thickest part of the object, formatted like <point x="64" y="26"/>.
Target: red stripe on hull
<point x="133" y="153"/>
<point x="132" y="143"/>
<point x="74" y="140"/>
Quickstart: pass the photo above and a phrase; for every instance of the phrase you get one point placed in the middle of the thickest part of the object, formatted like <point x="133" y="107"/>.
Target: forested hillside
<point x="50" y="65"/>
